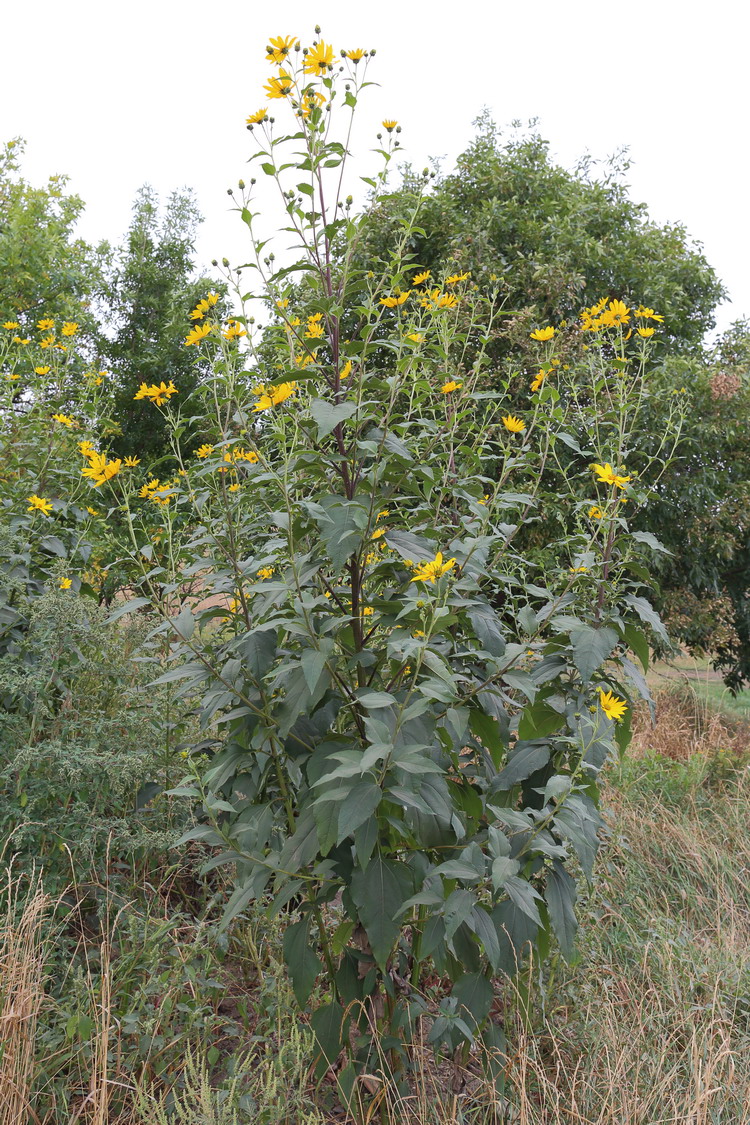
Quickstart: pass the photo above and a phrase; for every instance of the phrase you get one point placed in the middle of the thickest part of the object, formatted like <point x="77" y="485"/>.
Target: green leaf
<point x="560" y="895"/>
<point x="374" y="700"/>
<point x="328" y="415"/>
<point x="53" y="545"/>
<point x="527" y="758"/>
<point x="474" y="994"/>
<point x="258" y="651"/>
<point x="379" y="893"/>
<point x="648" y="615"/>
<point x="302" y="962"/>
<point x="636" y="641"/>
<point x="127" y="607"/>
<point x="591" y="648"/>
<point x="650" y="541"/>
<point x="327" y="1023"/>
<point x="359" y="805"/>
<point x="313" y="665"/>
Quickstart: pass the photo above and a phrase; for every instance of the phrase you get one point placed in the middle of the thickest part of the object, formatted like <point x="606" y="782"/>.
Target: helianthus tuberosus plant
<point x="414" y="695"/>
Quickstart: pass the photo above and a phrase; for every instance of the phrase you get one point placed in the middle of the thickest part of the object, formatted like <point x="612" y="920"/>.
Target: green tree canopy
<point x="150" y="288"/>
<point x="557" y="239"/>
<point x="45" y="271"/>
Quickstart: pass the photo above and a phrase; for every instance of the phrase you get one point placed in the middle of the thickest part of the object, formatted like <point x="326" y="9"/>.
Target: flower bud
<point x="241" y="185"/>
<point x="225" y="262"/>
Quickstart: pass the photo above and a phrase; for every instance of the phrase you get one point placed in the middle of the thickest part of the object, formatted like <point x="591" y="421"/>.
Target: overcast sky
<point x="119" y="94"/>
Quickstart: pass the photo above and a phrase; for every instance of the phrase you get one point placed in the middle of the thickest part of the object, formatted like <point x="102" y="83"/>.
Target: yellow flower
<point x="615" y="314"/>
<point x="42" y="370"/>
<point x="318" y="59"/>
<point x="234" y="487"/>
<point x="578" y="569"/>
<point x="66" y="583"/>
<point x="312" y="99"/>
<point x="367" y="611"/>
<point x="256" y="118"/>
<point x="279" y="47"/>
<point x="416" y="337"/>
<point x="392" y="302"/>
<point x="305" y="358"/>
<point x="152" y="486"/>
<point x="456" y="277"/>
<point x="595" y="513"/>
<point x="447" y="301"/>
<point x="389" y="125"/>
<point x="648" y="314"/>
<point x="515" y="425"/>
<point x="204" y="451"/>
<point x="543" y="334"/>
<point x="65" y="419"/>
<point x="11" y="325"/>
<point x="157" y="395"/>
<point x="346" y="370"/>
<point x="279" y="87"/>
<point x="645" y="332"/>
<point x="378" y="532"/>
<point x="450" y="386"/>
<point x="195" y="335"/>
<point x="69" y="328"/>
<point x="265" y="572"/>
<point x="429" y="571"/>
<point x="536" y="382"/>
<point x="271" y="396"/>
<point x="420" y="278"/>
<point x="91" y="511"/>
<point x="354" y="56"/>
<point x="12" y="377"/>
<point x="605" y="474"/>
<point x="131" y="462"/>
<point x="86" y="448"/>
<point x="612" y="707"/>
<point x="46" y="325"/>
<point x="384" y="514"/>
<point x="314" y="330"/>
<point x="99" y="469"/>
<point x="47" y="342"/>
<point x="37" y="504"/>
<point x="233" y="330"/>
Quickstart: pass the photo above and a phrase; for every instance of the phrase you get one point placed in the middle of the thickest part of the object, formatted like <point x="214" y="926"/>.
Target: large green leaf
<point x="359" y="805"/>
<point x="560" y="895"/>
<point x="591" y="648"/>
<point x="327" y="415"/>
<point x="378" y="893"/>
<point x="302" y="962"/>
<point x="328" y="1024"/>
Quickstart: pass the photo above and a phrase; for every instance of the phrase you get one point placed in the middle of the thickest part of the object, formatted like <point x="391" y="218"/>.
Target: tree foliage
<point x="150" y="283"/>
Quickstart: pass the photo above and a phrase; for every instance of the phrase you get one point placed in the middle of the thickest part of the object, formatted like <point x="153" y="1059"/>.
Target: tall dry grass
<point x="22" y="975"/>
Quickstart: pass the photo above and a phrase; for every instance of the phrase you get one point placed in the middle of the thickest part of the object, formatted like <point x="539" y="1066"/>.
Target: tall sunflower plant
<point x="408" y="699"/>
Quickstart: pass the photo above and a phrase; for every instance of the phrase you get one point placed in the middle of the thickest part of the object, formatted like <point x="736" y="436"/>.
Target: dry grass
<point x="686" y="724"/>
<point x="650" y="1027"/>
<point x="22" y="974"/>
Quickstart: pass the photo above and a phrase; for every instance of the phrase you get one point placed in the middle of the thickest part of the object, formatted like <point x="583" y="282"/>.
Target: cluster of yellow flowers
<point x="204" y="306"/>
<point x="616" y="314"/>
<point x="160" y="492"/>
<point x="270" y="396"/>
<point x="156" y="394"/>
<point x="99" y="469"/>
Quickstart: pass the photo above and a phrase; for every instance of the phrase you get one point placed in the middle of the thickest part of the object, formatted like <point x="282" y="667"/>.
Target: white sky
<point x="118" y="94"/>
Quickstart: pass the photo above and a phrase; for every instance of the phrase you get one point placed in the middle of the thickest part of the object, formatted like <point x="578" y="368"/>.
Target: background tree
<point x="558" y="240"/>
<point x="45" y="271"/>
<point x="150" y="289"/>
